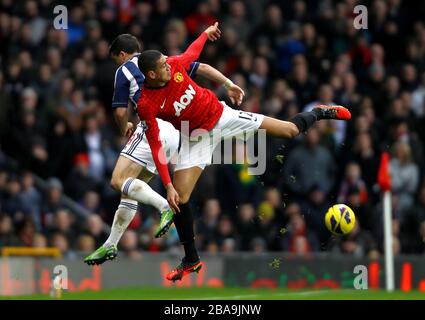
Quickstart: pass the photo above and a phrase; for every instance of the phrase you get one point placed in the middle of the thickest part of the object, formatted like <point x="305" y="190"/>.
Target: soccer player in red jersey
<point x="170" y="94"/>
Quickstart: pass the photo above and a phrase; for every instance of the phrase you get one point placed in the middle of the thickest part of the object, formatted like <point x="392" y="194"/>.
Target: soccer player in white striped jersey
<point x="135" y="166"/>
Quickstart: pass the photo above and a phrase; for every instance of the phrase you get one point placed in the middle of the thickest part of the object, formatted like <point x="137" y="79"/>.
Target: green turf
<point x="154" y="293"/>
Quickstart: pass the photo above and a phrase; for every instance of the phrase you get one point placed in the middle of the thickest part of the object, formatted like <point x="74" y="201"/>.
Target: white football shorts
<point x="138" y="150"/>
<point x="197" y="151"/>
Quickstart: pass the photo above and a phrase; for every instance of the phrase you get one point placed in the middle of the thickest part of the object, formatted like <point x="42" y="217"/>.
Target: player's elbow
<point x="120" y="113"/>
<point x="202" y="69"/>
<point x="206" y="71"/>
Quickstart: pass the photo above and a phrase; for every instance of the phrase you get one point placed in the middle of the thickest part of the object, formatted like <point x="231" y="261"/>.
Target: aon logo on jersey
<point x="184" y="100"/>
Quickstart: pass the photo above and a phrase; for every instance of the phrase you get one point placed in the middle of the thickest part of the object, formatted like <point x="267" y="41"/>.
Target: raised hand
<point x="213" y="32"/>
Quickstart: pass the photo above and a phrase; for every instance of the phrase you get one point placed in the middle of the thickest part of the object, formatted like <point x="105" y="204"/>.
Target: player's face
<point x="163" y="69"/>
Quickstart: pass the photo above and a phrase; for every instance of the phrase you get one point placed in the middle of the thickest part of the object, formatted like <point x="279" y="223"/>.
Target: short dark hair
<point x="148" y="59"/>
<point x="125" y="42"/>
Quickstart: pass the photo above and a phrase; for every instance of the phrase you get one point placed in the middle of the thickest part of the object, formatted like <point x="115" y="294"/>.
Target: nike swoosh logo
<point x="163" y="104"/>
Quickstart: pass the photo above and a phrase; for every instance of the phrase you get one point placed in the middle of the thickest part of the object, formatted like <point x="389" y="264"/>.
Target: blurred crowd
<point x="56" y="122"/>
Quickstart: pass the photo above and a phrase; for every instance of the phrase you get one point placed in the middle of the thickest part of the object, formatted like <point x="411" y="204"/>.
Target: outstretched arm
<point x="235" y="93"/>
<point x="193" y="52"/>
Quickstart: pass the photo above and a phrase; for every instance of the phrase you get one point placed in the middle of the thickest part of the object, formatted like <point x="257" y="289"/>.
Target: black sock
<point x="183" y="221"/>
<point x="318" y="113"/>
<point x="305" y="120"/>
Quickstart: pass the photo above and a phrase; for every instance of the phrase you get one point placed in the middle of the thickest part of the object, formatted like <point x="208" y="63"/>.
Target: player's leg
<point x="138" y="190"/>
<point x="235" y="122"/>
<point x="124" y="213"/>
<point x="279" y="128"/>
<point x="184" y="183"/>
<point x="127" y="207"/>
<point x="139" y="152"/>
<point x="108" y="251"/>
<point x="193" y="157"/>
<point x="127" y="169"/>
<point x="301" y="122"/>
<point x="125" y="179"/>
<point x="189" y="167"/>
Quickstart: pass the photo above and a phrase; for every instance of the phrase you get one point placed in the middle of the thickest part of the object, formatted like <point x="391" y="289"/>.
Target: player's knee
<point x="293" y="131"/>
<point x="116" y="182"/>
<point x="184" y="198"/>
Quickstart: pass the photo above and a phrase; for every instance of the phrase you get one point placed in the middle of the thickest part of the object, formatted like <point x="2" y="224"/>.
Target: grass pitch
<point x="205" y="293"/>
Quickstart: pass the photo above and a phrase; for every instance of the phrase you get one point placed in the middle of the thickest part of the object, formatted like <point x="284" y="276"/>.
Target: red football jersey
<point x="181" y="99"/>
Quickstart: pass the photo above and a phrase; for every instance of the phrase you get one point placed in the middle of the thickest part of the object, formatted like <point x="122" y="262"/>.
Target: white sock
<point x="122" y="218"/>
<point x="140" y="191"/>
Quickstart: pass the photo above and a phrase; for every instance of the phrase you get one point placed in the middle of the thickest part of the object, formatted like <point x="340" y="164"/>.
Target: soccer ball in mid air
<point x="340" y="219"/>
